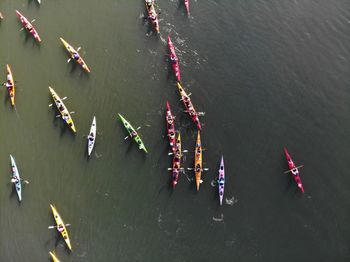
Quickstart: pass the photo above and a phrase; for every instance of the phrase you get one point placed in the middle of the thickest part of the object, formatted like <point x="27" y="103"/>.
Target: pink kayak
<point x="174" y="60"/>
<point x="170" y="126"/>
<point x="294" y="171"/>
<point x="27" y="25"/>
<point x="187" y="5"/>
<point x="221" y="180"/>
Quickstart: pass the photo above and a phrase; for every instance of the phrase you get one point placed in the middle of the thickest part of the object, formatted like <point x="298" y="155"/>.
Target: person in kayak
<point x="149" y="3"/>
<point x="173" y="59"/>
<point x="133" y="133"/>
<point x="91" y="137"/>
<point x="65" y="117"/>
<point x="198" y="168"/>
<point x="294" y="171"/>
<point x="60" y="228"/>
<point x="14" y="180"/>
<point x="75" y="56"/>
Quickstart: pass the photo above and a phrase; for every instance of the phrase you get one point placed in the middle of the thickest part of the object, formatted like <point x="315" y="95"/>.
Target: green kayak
<point x="132" y="133"/>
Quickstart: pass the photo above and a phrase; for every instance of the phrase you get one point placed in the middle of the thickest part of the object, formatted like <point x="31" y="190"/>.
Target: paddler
<point x="173" y="59"/>
<point x="14" y="180"/>
<point x="75" y="56"/>
<point x="294" y="171"/>
<point x="198" y="168"/>
<point x="149" y="3"/>
<point x="91" y="136"/>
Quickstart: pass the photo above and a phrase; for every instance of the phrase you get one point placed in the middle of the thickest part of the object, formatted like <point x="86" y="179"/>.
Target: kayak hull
<point x="151" y="12"/>
<point x="198" y="161"/>
<point x="15" y="174"/>
<point x="54" y="258"/>
<point x="27" y="25"/>
<point x="92" y="136"/>
<point x="131" y="130"/>
<point x="71" y="51"/>
<point x="176" y="162"/>
<point x="295" y="174"/>
<point x="169" y="118"/>
<point x="221" y="180"/>
<point x="60" y="223"/>
<point x="65" y="115"/>
<point x="174" y="60"/>
<point x="12" y="90"/>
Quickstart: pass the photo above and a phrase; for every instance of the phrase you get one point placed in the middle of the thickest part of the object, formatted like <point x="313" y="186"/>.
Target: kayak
<point x="65" y="115"/>
<point x="1" y="16"/>
<point x="221" y="180"/>
<point x="132" y="133"/>
<point x="176" y="161"/>
<point x="15" y="175"/>
<point x="174" y="60"/>
<point x="189" y="106"/>
<point x="27" y="25"/>
<point x="170" y="127"/>
<point x="39" y="1"/>
<point x="54" y="258"/>
<point x="187" y="5"/>
<point x="198" y="161"/>
<point x="152" y="15"/>
<point x="61" y="227"/>
<point x="294" y="171"/>
<point x="72" y="51"/>
<point x="92" y="136"/>
<point x="10" y="84"/>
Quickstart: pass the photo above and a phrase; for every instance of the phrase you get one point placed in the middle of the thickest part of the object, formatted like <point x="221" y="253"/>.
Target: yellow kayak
<point x="198" y="161"/>
<point x="61" y="227"/>
<point x="10" y="84"/>
<point x="62" y="109"/>
<point x="54" y="258"/>
<point x="72" y="51"/>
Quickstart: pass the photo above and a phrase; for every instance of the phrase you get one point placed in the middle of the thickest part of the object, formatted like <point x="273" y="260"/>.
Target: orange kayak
<point x="10" y="84"/>
<point x="198" y="161"/>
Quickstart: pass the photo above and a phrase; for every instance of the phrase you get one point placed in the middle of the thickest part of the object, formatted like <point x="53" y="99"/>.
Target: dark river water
<point x="267" y="73"/>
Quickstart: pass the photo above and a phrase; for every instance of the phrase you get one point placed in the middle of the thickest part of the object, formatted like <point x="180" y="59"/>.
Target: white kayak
<point x="16" y="177"/>
<point x="92" y="136"/>
<point x="39" y="1"/>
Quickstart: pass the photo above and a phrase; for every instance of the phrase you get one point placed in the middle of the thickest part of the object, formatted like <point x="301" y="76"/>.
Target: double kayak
<point x="61" y="227"/>
<point x="75" y="55"/>
<point x="294" y="171"/>
<point x="65" y="115"/>
<point x="132" y="133"/>
<point x="170" y="126"/>
<point x="27" y="25"/>
<point x="198" y="161"/>
<point x="221" y="180"/>
<point x="174" y="60"/>
<point x="16" y="178"/>
<point x="176" y="162"/>
<point x="10" y="85"/>
<point x="189" y="106"/>
<point x="92" y="136"/>
<point x="152" y="15"/>
<point x="54" y="258"/>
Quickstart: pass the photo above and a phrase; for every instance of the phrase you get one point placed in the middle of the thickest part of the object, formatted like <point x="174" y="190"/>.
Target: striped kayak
<point x="27" y="25"/>
<point x="176" y="162"/>
<point x="187" y="5"/>
<point x="74" y="52"/>
<point x="170" y="127"/>
<point x="15" y="175"/>
<point x="294" y="171"/>
<point x="221" y="180"/>
<point x="65" y="115"/>
<point x="152" y="15"/>
<point x="174" y="60"/>
<point x="10" y="84"/>
<point x="61" y="227"/>
<point x="92" y="136"/>
<point x="132" y="133"/>
<point x="189" y="106"/>
<point x="54" y="258"/>
<point x="198" y="161"/>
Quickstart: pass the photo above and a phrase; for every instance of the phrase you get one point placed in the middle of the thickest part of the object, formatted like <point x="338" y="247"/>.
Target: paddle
<point x="183" y="151"/>
<point x="125" y="138"/>
<point x="293" y="169"/>
<point x="203" y="169"/>
<point x="51" y="227"/>
<point x="25" y="181"/>
<point x="187" y="95"/>
<point x="64" y="98"/>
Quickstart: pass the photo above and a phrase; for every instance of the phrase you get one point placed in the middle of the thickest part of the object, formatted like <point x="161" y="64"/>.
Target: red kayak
<point x="174" y="60"/>
<point x="189" y="106"/>
<point x="27" y="25"/>
<point x="187" y="4"/>
<point x="294" y="171"/>
<point x="170" y="127"/>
